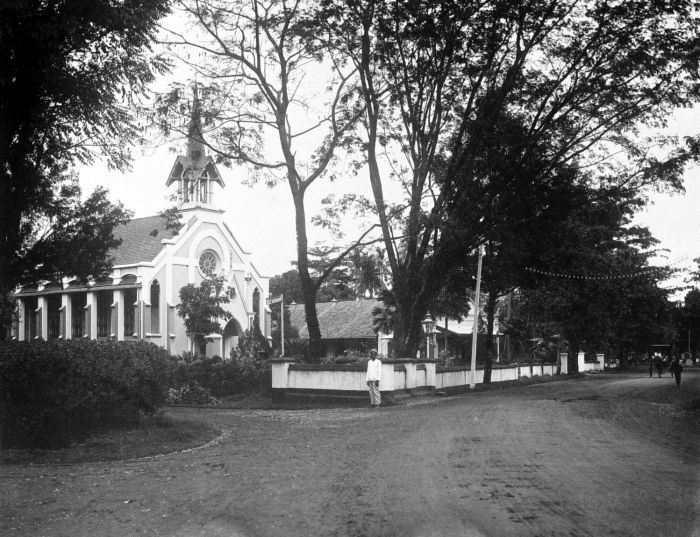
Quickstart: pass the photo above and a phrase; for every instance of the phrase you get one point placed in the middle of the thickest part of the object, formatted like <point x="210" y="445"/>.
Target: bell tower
<point x="195" y="173"/>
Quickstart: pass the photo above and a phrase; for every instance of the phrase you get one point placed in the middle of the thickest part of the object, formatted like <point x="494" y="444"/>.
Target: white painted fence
<point x="397" y="377"/>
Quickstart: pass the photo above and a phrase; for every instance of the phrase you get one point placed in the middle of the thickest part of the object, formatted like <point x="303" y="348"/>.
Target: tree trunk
<point x="308" y="286"/>
<point x="407" y="328"/>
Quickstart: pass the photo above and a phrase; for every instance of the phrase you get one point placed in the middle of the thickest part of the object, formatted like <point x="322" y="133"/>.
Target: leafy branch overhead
<point x="72" y="73"/>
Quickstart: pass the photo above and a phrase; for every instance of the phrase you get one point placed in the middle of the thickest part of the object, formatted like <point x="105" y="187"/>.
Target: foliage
<point x="287" y="284"/>
<point x="72" y="71"/>
<point x="253" y="59"/>
<point x="191" y="394"/>
<point x="252" y="344"/>
<point x="437" y="78"/>
<point x="687" y="319"/>
<point x="200" y="308"/>
<point x="173" y="219"/>
<point x="71" y="238"/>
<point x="246" y="371"/>
<point x="57" y="392"/>
<point x="618" y="309"/>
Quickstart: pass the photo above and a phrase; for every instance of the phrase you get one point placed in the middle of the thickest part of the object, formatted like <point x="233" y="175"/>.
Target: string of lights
<point x="570" y="276"/>
<point x="598" y="277"/>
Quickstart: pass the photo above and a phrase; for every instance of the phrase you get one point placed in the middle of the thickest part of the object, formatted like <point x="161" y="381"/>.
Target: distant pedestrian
<point x="374" y="375"/>
<point x="676" y="370"/>
<point x="659" y="365"/>
<point x="651" y="366"/>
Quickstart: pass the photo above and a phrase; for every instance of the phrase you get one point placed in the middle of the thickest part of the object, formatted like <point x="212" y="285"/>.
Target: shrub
<point x="244" y="373"/>
<point x="190" y="394"/>
<point x="53" y="393"/>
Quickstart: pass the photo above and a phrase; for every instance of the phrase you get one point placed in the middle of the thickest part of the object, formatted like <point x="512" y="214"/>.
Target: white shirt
<point x="374" y="369"/>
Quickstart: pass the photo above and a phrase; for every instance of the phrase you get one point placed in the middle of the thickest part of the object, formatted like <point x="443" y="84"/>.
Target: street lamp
<point x="429" y="328"/>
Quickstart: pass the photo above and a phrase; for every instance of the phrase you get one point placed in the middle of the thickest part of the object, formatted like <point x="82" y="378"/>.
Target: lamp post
<point x="429" y="328"/>
<point x="475" y="328"/>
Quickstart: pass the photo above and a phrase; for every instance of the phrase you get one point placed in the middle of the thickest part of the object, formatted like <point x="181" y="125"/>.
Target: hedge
<point x="54" y="393"/>
<point x="236" y="376"/>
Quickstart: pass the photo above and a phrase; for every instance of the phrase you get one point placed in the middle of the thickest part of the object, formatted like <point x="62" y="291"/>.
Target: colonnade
<point x="110" y="312"/>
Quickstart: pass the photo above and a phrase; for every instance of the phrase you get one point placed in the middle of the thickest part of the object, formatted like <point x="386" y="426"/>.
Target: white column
<point x="91" y="309"/>
<point x="114" y="316"/>
<point x="121" y="308"/>
<point x="42" y="309"/>
<point x="581" y="362"/>
<point x="67" y="306"/>
<point x="21" y="307"/>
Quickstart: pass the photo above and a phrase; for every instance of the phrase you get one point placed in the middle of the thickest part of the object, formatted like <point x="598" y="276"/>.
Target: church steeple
<point x="195" y="140"/>
<point x="195" y="173"/>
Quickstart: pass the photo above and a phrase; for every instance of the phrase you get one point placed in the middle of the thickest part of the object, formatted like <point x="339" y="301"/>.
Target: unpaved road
<point x="608" y="455"/>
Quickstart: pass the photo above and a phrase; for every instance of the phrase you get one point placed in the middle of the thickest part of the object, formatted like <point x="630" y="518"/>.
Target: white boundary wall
<point x="398" y="376"/>
<point x="584" y="366"/>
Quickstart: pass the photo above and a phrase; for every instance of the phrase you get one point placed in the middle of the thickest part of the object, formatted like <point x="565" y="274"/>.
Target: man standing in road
<point x="676" y="370"/>
<point x="374" y="375"/>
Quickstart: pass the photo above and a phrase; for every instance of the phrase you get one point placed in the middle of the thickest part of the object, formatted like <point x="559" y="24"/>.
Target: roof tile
<point x="141" y="240"/>
<point x="347" y="319"/>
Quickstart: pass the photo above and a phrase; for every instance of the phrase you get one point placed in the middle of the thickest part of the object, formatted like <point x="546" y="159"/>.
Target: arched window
<point x="155" y="307"/>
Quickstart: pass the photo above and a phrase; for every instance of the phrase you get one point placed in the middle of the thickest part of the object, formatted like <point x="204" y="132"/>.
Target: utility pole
<point x="475" y="328"/>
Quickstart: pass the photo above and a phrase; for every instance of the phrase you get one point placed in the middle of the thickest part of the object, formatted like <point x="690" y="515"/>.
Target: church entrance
<point x="232" y="332"/>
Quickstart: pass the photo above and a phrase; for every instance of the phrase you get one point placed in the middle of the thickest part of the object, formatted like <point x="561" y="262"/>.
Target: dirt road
<point x="608" y="455"/>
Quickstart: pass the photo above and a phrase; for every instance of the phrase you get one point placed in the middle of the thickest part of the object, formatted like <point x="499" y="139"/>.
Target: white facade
<point x="150" y="267"/>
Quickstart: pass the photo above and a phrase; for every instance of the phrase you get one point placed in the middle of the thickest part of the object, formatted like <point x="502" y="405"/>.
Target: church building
<point x="137" y="301"/>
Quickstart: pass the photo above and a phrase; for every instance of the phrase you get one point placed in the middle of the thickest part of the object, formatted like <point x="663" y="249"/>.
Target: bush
<point x="190" y="394"/>
<point x="242" y="374"/>
<point x="54" y="393"/>
<point x="247" y="371"/>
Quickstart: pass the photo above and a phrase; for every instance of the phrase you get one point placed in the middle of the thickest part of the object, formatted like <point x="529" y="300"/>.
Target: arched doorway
<point x="232" y="331"/>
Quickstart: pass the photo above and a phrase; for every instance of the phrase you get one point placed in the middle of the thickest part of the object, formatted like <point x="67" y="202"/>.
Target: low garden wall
<point x="398" y="377"/>
<point x="585" y="366"/>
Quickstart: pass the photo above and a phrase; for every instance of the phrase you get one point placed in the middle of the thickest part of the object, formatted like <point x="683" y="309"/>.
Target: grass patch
<point x="152" y="436"/>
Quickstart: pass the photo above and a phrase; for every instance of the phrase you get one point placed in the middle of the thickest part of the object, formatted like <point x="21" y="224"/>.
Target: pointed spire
<point x="194" y="172"/>
<point x="195" y="139"/>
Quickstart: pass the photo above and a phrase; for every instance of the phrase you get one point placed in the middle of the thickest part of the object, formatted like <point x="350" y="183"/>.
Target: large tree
<point x="437" y="76"/>
<point x="599" y="292"/>
<point x="273" y="101"/>
<point x="70" y="71"/>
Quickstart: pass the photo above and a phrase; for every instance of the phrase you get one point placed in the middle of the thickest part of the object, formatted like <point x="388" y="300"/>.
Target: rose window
<point x="207" y="263"/>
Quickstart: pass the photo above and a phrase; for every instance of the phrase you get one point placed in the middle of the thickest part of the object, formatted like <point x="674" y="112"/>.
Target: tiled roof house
<point x="345" y="325"/>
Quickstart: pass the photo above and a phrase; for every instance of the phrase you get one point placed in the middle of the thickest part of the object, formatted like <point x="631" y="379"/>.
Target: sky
<point x="674" y="219"/>
<point x="262" y="218"/>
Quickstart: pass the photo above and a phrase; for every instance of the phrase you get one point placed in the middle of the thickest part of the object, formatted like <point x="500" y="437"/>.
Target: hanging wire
<point x="598" y="277"/>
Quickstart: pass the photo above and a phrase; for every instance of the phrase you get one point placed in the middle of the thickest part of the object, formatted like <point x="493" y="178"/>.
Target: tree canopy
<point x="579" y="77"/>
<point x="71" y="73"/>
<point x="487" y="114"/>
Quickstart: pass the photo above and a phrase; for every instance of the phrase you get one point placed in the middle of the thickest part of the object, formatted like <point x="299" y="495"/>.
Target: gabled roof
<point x="198" y="168"/>
<point x="350" y="319"/>
<point x="140" y="240"/>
